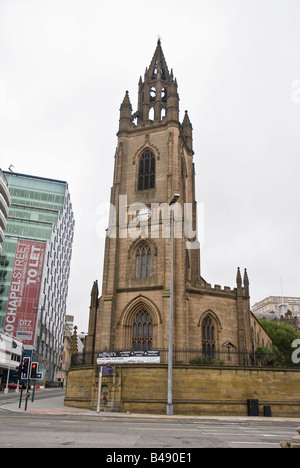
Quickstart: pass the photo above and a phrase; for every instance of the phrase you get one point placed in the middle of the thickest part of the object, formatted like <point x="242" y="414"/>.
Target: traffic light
<point x="19" y="370"/>
<point x="25" y="368"/>
<point x="34" y="370"/>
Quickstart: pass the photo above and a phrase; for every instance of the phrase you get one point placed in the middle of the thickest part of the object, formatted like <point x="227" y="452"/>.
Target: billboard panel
<point x="23" y="299"/>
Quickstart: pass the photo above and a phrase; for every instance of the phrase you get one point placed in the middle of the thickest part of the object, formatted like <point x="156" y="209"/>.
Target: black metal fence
<point x="198" y="358"/>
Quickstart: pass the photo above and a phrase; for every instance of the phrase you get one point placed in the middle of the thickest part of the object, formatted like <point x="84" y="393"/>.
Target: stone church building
<point x="154" y="161"/>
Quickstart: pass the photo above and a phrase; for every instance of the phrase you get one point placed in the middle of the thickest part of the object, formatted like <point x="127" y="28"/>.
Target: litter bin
<point x="253" y="407"/>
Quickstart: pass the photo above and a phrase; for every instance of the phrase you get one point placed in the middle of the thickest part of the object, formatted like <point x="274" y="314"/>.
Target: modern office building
<point x="4" y="204"/>
<point x="35" y="266"/>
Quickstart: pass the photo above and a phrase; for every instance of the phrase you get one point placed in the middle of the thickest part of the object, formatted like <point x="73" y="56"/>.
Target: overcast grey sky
<point x="64" y="68"/>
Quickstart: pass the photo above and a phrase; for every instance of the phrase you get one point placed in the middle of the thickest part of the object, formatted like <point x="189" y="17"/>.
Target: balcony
<point x="2" y="221"/>
<point x="2" y="238"/>
<point x="3" y="206"/>
<point x="4" y="190"/>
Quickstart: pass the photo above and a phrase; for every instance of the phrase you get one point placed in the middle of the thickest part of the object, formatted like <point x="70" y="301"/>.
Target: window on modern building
<point x="142" y="331"/>
<point x="146" y="176"/>
<point x="143" y="261"/>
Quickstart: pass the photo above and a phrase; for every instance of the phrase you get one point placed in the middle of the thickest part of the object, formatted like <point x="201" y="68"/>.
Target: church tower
<point x="154" y="161"/>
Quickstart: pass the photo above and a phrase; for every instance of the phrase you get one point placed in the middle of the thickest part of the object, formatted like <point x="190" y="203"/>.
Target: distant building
<point x="277" y="305"/>
<point x="35" y="266"/>
<point x="67" y="345"/>
<point x="4" y="204"/>
<point x="68" y="337"/>
<point x="10" y="355"/>
<point x="69" y="328"/>
<point x="279" y="308"/>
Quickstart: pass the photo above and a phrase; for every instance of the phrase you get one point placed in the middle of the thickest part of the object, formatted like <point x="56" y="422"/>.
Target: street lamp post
<point x="7" y="380"/>
<point x="99" y="389"/>
<point x="169" y="408"/>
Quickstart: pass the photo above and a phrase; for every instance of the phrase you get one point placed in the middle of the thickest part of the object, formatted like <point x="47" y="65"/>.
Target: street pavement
<point x="47" y="401"/>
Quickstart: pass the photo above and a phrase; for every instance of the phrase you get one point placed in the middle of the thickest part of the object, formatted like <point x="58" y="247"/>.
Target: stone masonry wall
<point x="196" y="390"/>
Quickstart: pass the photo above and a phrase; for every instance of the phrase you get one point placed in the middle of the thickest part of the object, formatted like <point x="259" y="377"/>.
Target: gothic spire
<point x="126" y="100"/>
<point x="158" y="68"/>
<point x="187" y="131"/>
<point x="74" y="343"/>
<point x="125" y="113"/>
<point x="246" y="282"/>
<point x="158" y="98"/>
<point x="94" y="294"/>
<point x="246" y="279"/>
<point x="239" y="278"/>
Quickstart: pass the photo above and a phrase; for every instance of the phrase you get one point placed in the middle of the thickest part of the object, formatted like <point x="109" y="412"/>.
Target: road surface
<point x="89" y="429"/>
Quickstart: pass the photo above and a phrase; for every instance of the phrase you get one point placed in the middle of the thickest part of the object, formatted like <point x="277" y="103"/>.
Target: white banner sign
<point x="128" y="357"/>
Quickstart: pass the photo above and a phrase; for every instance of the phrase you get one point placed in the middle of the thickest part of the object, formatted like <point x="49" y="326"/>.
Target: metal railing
<point x="197" y="358"/>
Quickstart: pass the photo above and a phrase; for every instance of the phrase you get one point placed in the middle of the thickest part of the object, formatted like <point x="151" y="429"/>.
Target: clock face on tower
<point x="144" y="214"/>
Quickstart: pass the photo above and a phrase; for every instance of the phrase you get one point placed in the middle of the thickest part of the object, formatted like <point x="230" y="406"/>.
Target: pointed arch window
<point x="146" y="175"/>
<point x="208" y="337"/>
<point x="154" y="73"/>
<point x="143" y="261"/>
<point x="151" y="114"/>
<point x="142" y="331"/>
<point x="152" y="94"/>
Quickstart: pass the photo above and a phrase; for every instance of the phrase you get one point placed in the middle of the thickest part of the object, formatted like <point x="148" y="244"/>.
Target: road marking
<point x="255" y="443"/>
<point x="165" y="429"/>
<point x="221" y="434"/>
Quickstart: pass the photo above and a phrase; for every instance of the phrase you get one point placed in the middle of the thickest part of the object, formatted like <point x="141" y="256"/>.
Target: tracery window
<point x="142" y="331"/>
<point x="146" y="176"/>
<point x="143" y="261"/>
<point x="208" y="337"/>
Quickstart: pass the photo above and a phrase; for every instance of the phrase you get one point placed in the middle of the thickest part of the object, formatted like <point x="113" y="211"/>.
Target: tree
<point x="269" y="356"/>
<point x="282" y="336"/>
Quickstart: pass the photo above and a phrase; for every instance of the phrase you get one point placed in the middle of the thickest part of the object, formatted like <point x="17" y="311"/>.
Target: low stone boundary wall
<point x="197" y="390"/>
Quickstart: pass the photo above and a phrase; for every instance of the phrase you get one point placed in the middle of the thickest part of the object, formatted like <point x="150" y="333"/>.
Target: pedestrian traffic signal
<point x="34" y="370"/>
<point x="25" y="368"/>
